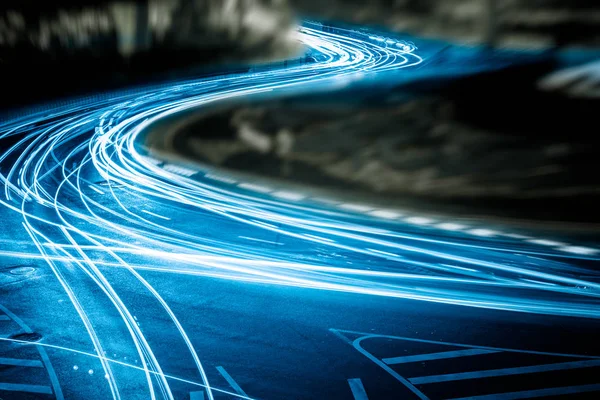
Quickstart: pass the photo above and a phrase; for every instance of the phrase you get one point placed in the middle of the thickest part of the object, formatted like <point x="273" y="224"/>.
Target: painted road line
<point x="197" y="395"/>
<point x="325" y="201"/>
<point x="179" y="170"/>
<point x="450" y="226"/>
<point x="45" y="359"/>
<point x="17" y="387"/>
<point x="355" y="207"/>
<point x="255" y="188"/>
<point x="220" y="178"/>
<point x="516" y="236"/>
<point x="483" y="232"/>
<point x="586" y="251"/>
<point x="339" y="335"/>
<point x="419" y="220"/>
<point x="231" y="382"/>
<point x="422" y="380"/>
<point x="437" y="356"/>
<point x="386" y="214"/>
<point x="289" y="195"/>
<point x="21" y="362"/>
<point x="357" y="345"/>
<point x="358" y="390"/>
<point x="545" y="242"/>
<point x="411" y="384"/>
<point x="530" y="394"/>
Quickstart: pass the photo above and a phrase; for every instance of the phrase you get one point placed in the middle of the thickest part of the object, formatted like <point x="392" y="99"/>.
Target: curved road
<point x="152" y="279"/>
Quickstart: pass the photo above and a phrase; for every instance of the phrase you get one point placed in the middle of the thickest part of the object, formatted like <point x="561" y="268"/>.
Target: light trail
<point x="98" y="206"/>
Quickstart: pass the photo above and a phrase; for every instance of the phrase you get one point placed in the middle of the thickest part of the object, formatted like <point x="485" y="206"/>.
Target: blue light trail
<point x="100" y="209"/>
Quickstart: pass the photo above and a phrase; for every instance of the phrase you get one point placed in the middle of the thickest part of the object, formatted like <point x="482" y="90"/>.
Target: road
<point x="129" y="276"/>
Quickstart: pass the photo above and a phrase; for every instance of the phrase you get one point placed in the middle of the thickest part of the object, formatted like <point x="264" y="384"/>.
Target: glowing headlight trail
<point x="100" y="210"/>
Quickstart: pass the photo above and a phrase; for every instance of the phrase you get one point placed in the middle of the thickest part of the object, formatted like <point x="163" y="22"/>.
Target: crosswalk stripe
<point x="21" y="362"/>
<point x="530" y="394"/>
<point x="231" y="381"/>
<point x="197" y="395"/>
<point x="504" y="372"/>
<point x="46" y="361"/>
<point x="413" y="383"/>
<point x="17" y="387"/>
<point x="358" y="390"/>
<point x="437" y="356"/>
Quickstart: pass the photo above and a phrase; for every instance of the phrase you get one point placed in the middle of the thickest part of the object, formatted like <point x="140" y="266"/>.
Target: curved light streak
<point x="95" y="201"/>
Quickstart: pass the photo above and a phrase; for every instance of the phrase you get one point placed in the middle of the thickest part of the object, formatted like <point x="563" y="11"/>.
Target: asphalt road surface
<point x="128" y="276"/>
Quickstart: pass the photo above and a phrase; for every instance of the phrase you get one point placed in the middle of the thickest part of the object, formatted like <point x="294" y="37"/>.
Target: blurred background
<point x="517" y="141"/>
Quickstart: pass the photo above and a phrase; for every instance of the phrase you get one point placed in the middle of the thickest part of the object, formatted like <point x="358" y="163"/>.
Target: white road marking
<point x="386" y="214"/>
<point x="45" y="359"/>
<point x="437" y="356"/>
<point x="18" y="387"/>
<point x="196" y="395"/>
<point x="231" y="381"/>
<point x="255" y="188"/>
<point x="587" y="251"/>
<point x="544" y="242"/>
<point x="355" y="207"/>
<point x="532" y="369"/>
<point x="539" y="393"/>
<point x="325" y="201"/>
<point x="483" y="232"/>
<point x="358" y="390"/>
<point x="516" y="236"/>
<point x="21" y="362"/>
<point x="220" y="178"/>
<point x="419" y="220"/>
<point x="449" y="226"/>
<point x="289" y="195"/>
<point x="179" y="170"/>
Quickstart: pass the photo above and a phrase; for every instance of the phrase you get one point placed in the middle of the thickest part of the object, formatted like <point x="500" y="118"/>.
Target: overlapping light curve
<point x="101" y="211"/>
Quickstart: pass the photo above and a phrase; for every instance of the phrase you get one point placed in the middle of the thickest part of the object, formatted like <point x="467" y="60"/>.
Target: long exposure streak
<point x="101" y="209"/>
